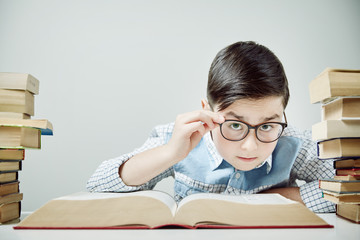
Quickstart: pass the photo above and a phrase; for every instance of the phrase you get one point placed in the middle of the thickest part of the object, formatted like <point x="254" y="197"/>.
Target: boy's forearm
<point x="144" y="166"/>
<point x="292" y="193"/>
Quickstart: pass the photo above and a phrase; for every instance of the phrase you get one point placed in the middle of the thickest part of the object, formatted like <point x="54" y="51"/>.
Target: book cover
<point x="154" y="209"/>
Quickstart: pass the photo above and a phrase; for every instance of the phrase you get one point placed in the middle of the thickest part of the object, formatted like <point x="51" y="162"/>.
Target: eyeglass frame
<point x="255" y="127"/>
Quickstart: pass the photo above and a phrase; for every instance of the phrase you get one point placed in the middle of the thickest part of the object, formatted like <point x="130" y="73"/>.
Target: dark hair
<point x="245" y="70"/>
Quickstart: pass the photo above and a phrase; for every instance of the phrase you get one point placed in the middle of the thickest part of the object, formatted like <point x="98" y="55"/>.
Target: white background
<point x="110" y="71"/>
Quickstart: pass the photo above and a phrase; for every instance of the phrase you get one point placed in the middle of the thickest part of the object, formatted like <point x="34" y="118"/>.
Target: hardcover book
<point x="19" y="81"/>
<point x="349" y="211"/>
<point x="17" y="101"/>
<point x="339" y="186"/>
<point x="341" y="109"/>
<point x="334" y="83"/>
<point x="347" y="163"/>
<point x="339" y="148"/>
<point x="336" y="129"/>
<point x="154" y="209"/>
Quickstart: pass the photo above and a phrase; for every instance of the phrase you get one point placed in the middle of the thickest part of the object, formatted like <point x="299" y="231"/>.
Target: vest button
<point x="237" y="175"/>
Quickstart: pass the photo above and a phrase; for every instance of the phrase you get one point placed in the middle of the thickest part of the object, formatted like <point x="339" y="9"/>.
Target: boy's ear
<point x="205" y="105"/>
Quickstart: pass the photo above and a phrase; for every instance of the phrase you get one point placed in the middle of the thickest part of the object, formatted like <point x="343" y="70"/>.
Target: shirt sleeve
<point x="309" y="168"/>
<point x="106" y="177"/>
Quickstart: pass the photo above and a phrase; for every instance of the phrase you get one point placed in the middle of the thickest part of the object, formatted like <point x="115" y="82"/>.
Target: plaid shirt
<point x="305" y="166"/>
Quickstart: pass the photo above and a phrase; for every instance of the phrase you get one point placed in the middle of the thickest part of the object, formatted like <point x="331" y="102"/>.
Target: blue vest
<point x="201" y="177"/>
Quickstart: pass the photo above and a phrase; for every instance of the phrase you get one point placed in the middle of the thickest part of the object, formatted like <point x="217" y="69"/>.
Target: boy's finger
<point x="207" y="117"/>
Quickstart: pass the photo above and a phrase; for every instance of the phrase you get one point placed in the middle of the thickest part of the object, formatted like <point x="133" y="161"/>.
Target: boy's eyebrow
<point x="241" y="118"/>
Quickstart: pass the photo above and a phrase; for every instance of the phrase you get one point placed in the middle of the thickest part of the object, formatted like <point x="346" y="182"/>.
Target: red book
<point x="348" y="171"/>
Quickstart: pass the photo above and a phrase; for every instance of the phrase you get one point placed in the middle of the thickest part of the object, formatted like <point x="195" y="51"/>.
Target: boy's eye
<point x="236" y="126"/>
<point x="266" y="127"/>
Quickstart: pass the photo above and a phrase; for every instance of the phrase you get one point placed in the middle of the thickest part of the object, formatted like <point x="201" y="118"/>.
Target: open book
<point x="154" y="209"/>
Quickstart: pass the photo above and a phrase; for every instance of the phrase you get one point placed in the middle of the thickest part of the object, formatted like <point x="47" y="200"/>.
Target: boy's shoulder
<point x="292" y="131"/>
<point x="164" y="129"/>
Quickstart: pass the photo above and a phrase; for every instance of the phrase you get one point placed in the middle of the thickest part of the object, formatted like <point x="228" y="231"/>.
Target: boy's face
<point x="248" y="153"/>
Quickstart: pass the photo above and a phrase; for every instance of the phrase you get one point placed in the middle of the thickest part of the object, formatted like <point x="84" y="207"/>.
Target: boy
<point x="238" y="143"/>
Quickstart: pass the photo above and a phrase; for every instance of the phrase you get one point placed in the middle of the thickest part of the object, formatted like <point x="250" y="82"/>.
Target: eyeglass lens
<point x="235" y="131"/>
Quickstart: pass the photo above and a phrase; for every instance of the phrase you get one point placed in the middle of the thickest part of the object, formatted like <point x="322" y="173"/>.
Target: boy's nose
<point x="250" y="142"/>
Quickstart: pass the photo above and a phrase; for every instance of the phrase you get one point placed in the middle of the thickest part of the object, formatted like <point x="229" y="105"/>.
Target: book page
<point x="161" y="196"/>
<point x="260" y="199"/>
<point x="244" y="210"/>
<point x="98" y="210"/>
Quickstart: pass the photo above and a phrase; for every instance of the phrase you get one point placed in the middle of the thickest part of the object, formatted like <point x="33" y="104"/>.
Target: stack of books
<point x="17" y="133"/>
<point x="338" y="137"/>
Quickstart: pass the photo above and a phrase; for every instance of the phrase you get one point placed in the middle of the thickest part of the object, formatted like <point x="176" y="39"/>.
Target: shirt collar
<point x="216" y="159"/>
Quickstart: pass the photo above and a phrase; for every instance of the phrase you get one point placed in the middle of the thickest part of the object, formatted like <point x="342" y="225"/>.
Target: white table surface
<point x="343" y="229"/>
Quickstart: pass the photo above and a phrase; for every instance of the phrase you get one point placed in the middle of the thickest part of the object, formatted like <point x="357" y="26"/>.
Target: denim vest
<point x="197" y="174"/>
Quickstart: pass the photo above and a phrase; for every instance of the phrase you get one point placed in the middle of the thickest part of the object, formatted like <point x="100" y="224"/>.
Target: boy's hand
<point x="189" y="129"/>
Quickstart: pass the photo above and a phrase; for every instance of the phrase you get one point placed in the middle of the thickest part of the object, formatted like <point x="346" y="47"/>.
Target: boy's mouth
<point x="247" y="159"/>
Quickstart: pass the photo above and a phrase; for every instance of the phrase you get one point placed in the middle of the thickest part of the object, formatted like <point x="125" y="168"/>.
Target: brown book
<point x="339" y="186"/>
<point x="349" y="211"/>
<point x="8" y="188"/>
<point x="17" y="101"/>
<point x="348" y="171"/>
<point x="347" y="177"/>
<point x="341" y="108"/>
<point x="341" y="198"/>
<point x="8" y="177"/>
<point x="19" y="81"/>
<point x="20" y="137"/>
<point x="154" y="209"/>
<point x="9" y="198"/>
<point x="9" y="211"/>
<point x="334" y="83"/>
<point x="339" y="147"/>
<point x="347" y="163"/>
<point x="12" y="154"/>
<point x="10" y="166"/>
<point x="336" y="129"/>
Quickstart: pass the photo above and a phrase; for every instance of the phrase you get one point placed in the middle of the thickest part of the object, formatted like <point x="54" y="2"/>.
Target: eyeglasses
<point x="267" y="132"/>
